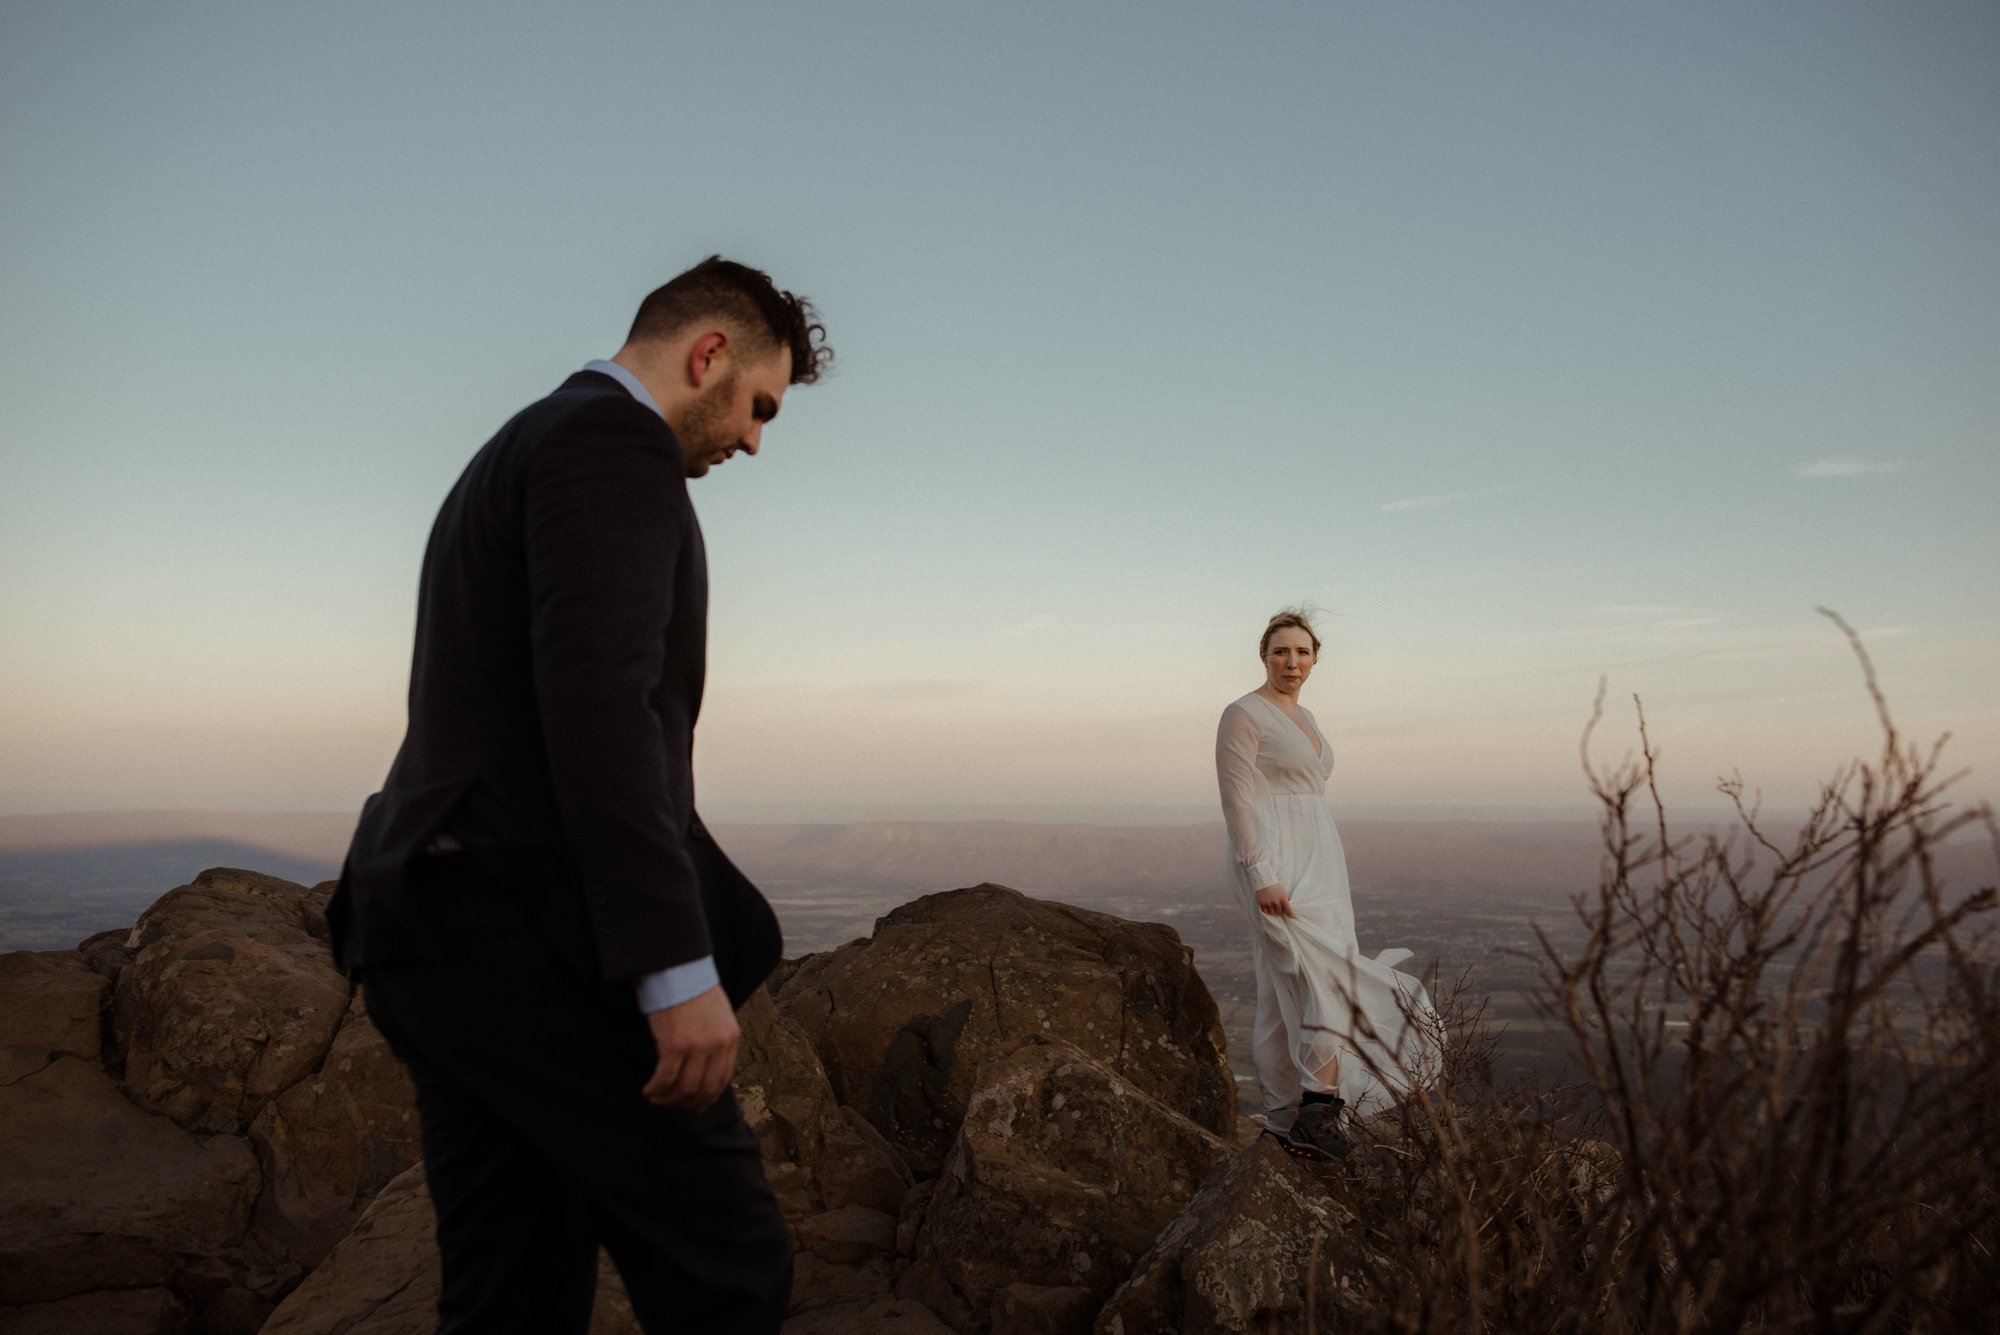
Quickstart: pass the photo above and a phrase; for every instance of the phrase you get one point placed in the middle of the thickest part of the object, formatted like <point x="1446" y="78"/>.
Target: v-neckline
<point x="1314" y="742"/>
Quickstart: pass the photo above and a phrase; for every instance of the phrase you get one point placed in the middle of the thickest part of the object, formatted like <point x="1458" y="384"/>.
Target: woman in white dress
<point x="1334" y="1028"/>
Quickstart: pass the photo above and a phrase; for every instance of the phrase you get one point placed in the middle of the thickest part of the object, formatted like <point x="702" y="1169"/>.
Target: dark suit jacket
<point x="560" y="650"/>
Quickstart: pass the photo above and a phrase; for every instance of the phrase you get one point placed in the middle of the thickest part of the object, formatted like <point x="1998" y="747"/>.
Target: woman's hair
<point x="1288" y="616"/>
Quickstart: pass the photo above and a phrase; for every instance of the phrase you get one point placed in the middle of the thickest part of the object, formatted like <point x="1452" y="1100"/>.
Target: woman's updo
<point x="1288" y="616"/>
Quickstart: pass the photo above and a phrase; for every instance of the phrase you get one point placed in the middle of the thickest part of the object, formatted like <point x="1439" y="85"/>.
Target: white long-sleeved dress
<point x="1319" y="999"/>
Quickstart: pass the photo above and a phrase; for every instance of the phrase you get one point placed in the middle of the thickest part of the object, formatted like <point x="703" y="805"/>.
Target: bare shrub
<point x="1787" y="1111"/>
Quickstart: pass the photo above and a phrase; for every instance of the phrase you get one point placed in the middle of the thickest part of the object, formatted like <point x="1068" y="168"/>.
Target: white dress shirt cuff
<point x="683" y="982"/>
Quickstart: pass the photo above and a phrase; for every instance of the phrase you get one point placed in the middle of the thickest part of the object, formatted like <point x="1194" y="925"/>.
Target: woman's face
<point x="1288" y="659"/>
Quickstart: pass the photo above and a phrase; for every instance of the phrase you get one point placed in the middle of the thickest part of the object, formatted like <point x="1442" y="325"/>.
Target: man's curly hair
<point x="756" y="309"/>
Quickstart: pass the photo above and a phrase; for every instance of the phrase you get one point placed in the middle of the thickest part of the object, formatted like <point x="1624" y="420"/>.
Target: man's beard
<point x="700" y="431"/>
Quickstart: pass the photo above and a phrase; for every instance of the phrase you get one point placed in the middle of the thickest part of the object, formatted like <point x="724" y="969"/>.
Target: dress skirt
<point x="1320" y="1000"/>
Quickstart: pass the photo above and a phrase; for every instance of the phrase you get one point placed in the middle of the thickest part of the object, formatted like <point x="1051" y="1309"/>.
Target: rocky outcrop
<point x="1238" y="1257"/>
<point x="198" y="1125"/>
<point x="135" y="1200"/>
<point x="231" y="999"/>
<point x="1062" y="1176"/>
<point x="329" y="1143"/>
<point x="818" y="1155"/>
<point x="102" y="1195"/>
<point x="903" y="1020"/>
<point x="51" y="1006"/>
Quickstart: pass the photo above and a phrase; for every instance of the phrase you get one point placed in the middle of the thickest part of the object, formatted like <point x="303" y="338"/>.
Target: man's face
<point x="730" y="411"/>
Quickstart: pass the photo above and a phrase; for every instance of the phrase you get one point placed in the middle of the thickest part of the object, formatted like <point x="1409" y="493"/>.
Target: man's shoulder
<point x="589" y="397"/>
<point x="585" y="408"/>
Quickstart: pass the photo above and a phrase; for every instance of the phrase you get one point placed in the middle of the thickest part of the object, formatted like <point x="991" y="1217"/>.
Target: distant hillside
<point x="63" y="877"/>
<point x="317" y="836"/>
<point x="1409" y="856"/>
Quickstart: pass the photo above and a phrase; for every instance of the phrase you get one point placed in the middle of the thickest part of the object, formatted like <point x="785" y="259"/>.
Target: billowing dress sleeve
<point x="1236" y="774"/>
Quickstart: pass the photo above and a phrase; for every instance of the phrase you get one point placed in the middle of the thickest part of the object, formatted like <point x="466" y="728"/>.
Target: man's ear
<point x="704" y="354"/>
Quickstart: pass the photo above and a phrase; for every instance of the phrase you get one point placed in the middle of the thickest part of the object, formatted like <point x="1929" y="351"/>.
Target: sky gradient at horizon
<point x="1535" y="344"/>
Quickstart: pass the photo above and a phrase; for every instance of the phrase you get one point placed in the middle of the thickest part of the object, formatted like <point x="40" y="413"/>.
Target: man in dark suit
<point x="545" y="932"/>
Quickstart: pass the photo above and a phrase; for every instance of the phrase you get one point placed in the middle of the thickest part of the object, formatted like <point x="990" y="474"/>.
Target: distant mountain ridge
<point x="910" y="854"/>
<point x="316" y="836"/>
<point x="65" y="876"/>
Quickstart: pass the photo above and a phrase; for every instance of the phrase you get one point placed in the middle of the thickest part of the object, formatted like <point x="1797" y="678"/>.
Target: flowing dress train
<point x="1319" y="999"/>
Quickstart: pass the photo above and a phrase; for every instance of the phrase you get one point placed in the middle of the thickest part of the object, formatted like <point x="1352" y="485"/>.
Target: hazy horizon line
<point x="807" y="812"/>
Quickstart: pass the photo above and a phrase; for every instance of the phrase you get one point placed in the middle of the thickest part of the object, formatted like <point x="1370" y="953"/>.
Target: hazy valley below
<point x="1465" y="896"/>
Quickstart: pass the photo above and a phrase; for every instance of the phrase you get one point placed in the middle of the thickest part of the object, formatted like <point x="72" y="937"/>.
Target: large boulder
<point x="818" y="1155"/>
<point x="231" y="998"/>
<point x="903" y="1020"/>
<point x="51" y="1005"/>
<point x="1238" y="1258"/>
<point x="128" y="1176"/>
<point x="101" y="1195"/>
<point x="332" y="1141"/>
<point x="1062" y="1176"/>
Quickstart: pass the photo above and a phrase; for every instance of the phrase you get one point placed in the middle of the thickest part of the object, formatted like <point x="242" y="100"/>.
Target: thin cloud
<point x="1844" y="468"/>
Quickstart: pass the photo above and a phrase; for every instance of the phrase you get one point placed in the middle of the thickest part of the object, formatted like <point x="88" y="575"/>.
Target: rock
<point x="862" y="1168"/>
<point x="51" y="1005"/>
<point x="1038" y="1309"/>
<point x="871" y="1316"/>
<point x="381" y="1280"/>
<point x="817" y="1154"/>
<point x="114" y="1312"/>
<point x="819" y="1283"/>
<point x="1062" y="1176"/>
<point x="383" y="1277"/>
<point x="231" y="998"/>
<point x="902" y="1020"/>
<point x="910" y="1222"/>
<point x="612" y="1312"/>
<point x="851" y="1235"/>
<point x="103" y="1196"/>
<point x="107" y="953"/>
<point x="332" y="1141"/>
<point x="1237" y="1257"/>
<point x="235" y="1295"/>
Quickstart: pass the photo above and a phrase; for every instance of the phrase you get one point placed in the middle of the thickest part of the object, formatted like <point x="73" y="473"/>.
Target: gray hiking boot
<point x="1317" y="1133"/>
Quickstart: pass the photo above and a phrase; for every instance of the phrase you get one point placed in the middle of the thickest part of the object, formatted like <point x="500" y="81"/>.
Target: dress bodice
<point x="1263" y="758"/>
<point x="1284" y="758"/>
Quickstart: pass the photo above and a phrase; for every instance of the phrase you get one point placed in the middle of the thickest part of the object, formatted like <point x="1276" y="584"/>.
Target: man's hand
<point x="1272" y="901"/>
<point x="697" y="1043"/>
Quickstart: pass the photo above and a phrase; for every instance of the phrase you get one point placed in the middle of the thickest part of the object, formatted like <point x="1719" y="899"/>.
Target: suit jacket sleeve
<point x="606" y="526"/>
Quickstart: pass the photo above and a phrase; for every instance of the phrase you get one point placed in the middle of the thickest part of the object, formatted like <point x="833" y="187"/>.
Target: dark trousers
<point x="539" y="1148"/>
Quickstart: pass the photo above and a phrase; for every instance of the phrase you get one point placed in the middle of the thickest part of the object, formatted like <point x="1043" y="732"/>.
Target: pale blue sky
<point x="1534" y="342"/>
